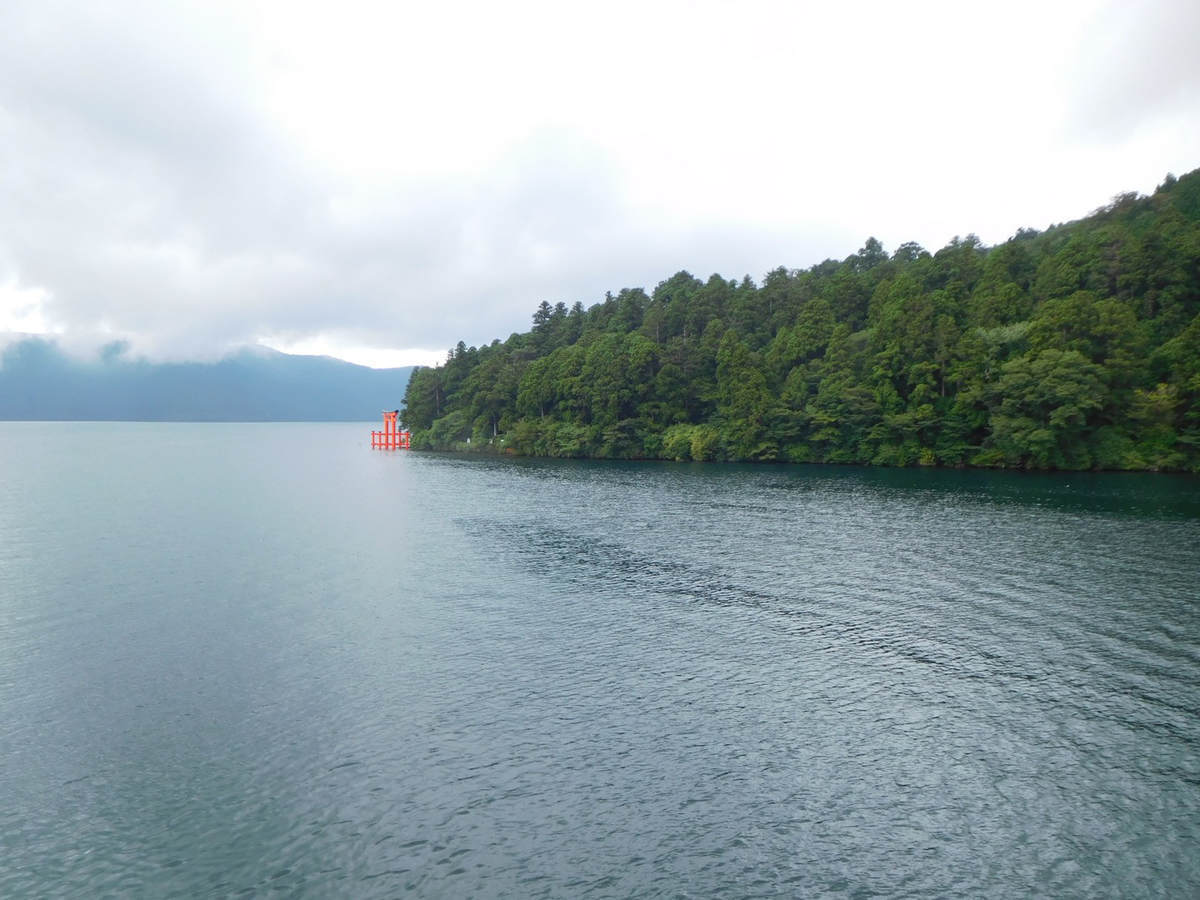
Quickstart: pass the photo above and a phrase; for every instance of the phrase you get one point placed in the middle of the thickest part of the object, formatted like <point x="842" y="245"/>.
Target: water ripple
<point x="369" y="675"/>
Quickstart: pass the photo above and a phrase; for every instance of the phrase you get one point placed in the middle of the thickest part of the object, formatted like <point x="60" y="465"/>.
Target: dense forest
<point x="1073" y="348"/>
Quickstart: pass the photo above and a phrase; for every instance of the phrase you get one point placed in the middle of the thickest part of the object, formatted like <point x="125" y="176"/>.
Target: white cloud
<point x="23" y="310"/>
<point x="375" y="357"/>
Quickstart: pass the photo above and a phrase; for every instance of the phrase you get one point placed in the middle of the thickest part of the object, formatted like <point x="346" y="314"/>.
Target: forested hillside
<point x="1073" y="348"/>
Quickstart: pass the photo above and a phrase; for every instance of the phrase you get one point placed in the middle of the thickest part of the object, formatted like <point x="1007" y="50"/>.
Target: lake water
<point x="267" y="660"/>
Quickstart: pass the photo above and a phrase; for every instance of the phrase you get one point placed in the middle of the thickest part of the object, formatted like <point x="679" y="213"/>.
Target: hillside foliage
<point x="1073" y="348"/>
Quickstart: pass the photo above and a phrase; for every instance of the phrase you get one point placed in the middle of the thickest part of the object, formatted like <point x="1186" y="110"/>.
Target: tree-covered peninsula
<point x="1073" y="348"/>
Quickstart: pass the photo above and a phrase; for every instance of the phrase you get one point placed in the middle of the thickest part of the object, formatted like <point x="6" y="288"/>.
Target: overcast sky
<point x="379" y="181"/>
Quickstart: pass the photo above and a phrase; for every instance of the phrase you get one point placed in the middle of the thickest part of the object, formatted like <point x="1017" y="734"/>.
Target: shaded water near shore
<point x="266" y="659"/>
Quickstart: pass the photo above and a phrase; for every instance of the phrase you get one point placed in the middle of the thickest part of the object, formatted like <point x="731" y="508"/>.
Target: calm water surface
<point x="265" y="660"/>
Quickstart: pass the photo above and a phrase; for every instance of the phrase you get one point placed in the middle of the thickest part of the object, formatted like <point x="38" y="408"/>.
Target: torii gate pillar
<point x="391" y="438"/>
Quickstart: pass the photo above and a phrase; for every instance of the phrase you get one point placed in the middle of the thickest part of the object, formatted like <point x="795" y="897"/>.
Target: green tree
<point x="1044" y="401"/>
<point x="743" y="401"/>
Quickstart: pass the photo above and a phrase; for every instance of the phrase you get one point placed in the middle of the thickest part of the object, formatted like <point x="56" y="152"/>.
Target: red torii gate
<point x="391" y="438"/>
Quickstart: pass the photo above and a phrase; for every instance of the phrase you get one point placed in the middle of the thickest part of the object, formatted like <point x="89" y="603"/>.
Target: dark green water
<point x="265" y="660"/>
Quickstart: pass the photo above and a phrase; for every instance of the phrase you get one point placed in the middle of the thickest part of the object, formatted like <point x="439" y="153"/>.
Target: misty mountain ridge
<point x="39" y="380"/>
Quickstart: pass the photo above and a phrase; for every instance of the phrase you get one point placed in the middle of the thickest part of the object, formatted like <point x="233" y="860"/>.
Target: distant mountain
<point x="38" y="381"/>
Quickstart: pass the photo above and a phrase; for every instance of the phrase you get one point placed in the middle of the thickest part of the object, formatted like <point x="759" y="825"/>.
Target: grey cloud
<point x="150" y="199"/>
<point x="132" y="180"/>
<point x="1136" y="63"/>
